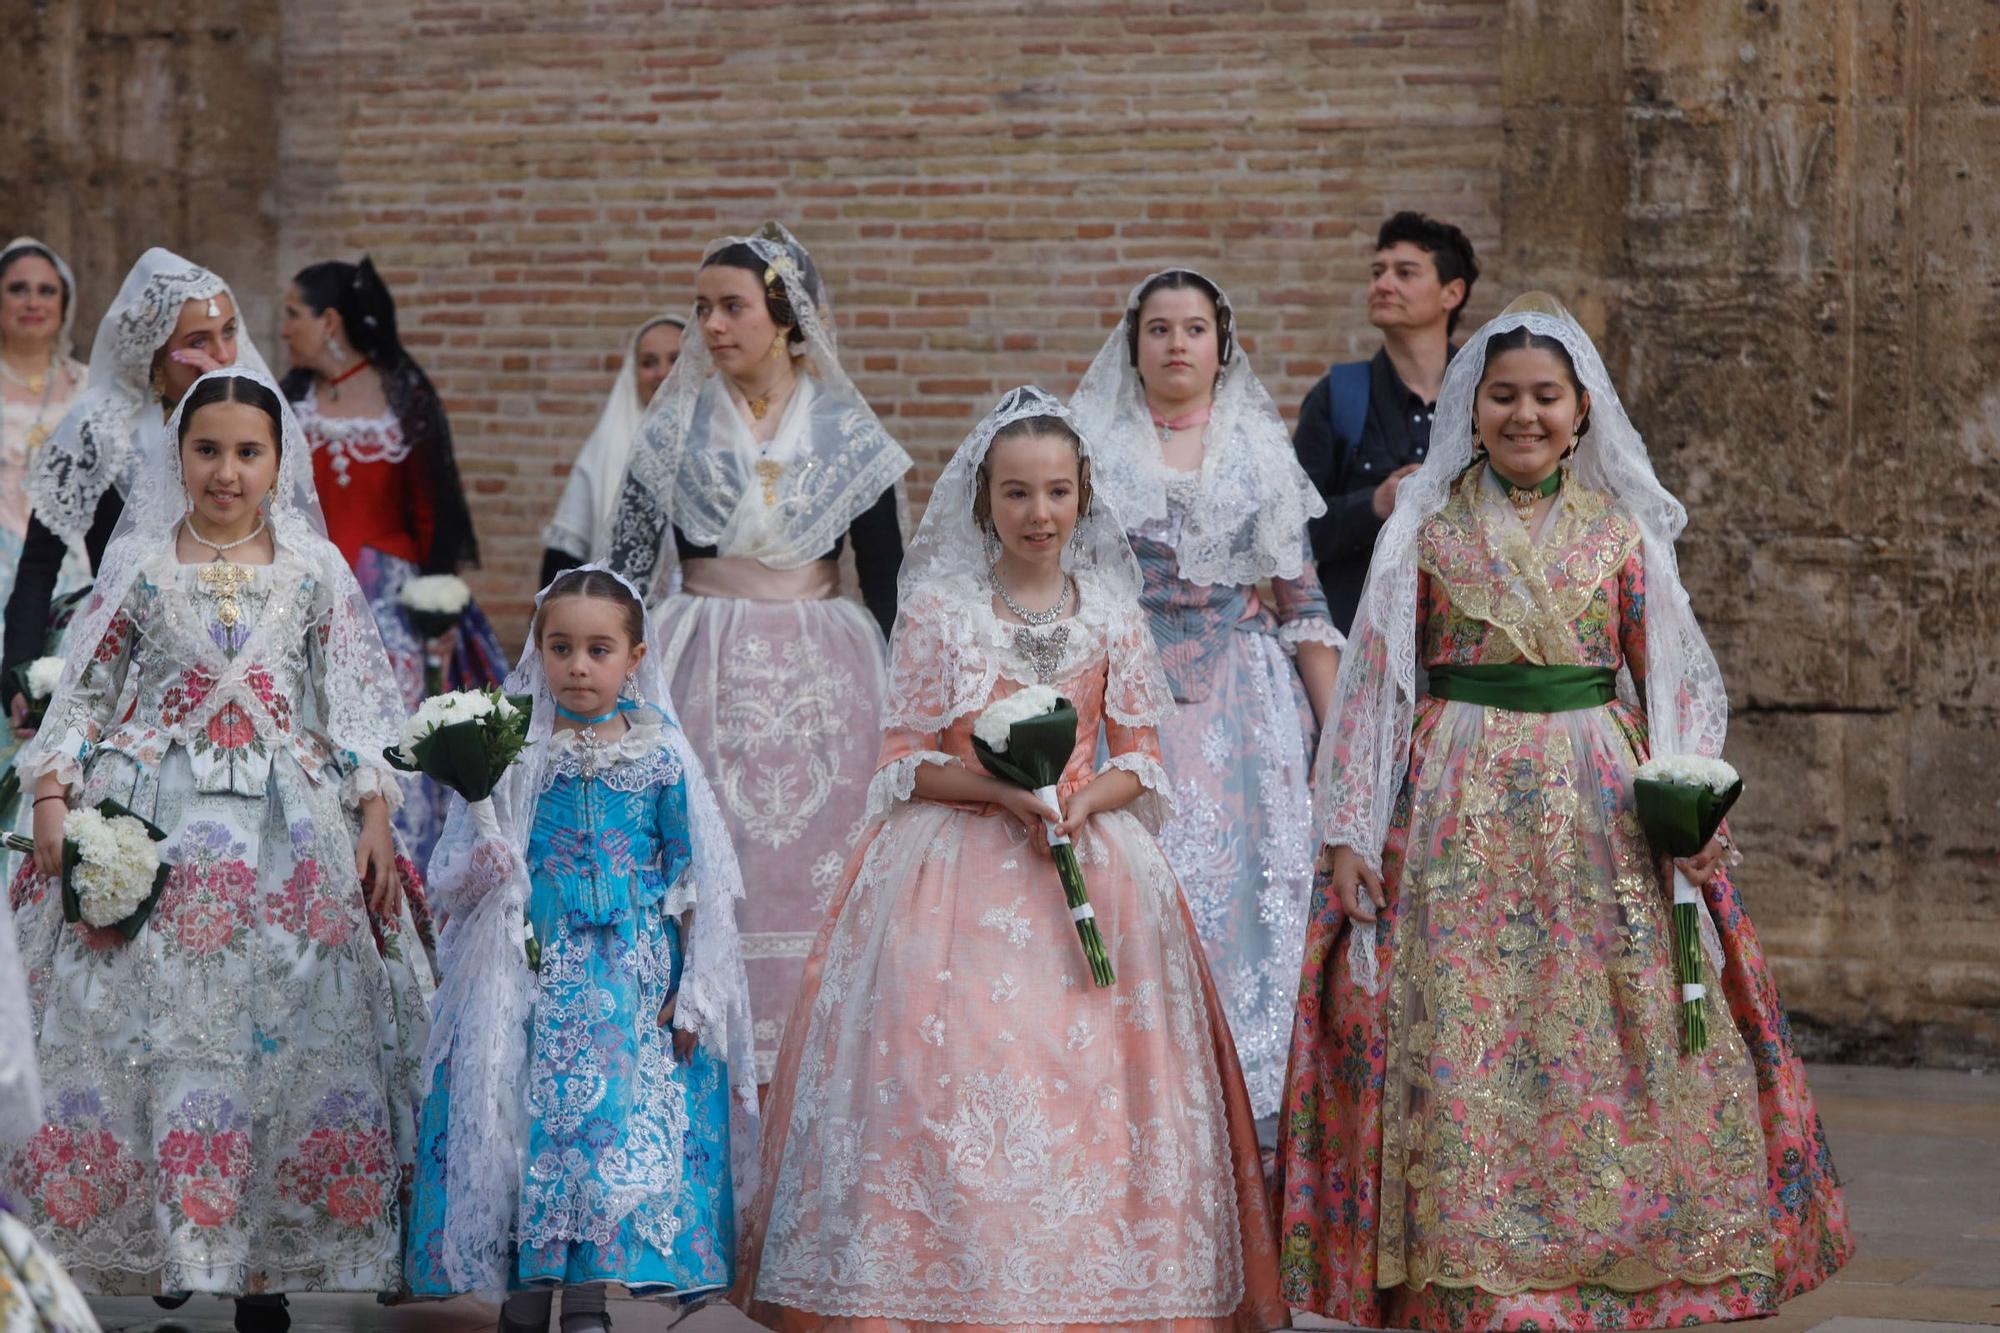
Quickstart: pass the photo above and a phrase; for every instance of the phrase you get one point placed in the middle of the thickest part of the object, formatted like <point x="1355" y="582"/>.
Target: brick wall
<point x="980" y="182"/>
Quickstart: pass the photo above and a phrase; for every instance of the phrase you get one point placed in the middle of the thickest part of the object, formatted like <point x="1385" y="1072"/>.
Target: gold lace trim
<point x="1531" y="590"/>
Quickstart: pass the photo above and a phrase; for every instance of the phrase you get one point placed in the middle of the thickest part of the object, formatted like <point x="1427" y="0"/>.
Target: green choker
<point x="1523" y="497"/>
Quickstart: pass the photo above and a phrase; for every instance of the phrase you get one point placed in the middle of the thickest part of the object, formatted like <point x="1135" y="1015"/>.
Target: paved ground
<point x="1920" y="1152"/>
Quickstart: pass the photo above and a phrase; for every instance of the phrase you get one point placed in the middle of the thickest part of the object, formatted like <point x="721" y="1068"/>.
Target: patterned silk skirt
<point x="1509" y="1134"/>
<point x="782" y="700"/>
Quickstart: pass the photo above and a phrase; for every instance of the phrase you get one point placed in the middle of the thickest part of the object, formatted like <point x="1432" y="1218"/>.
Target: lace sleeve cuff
<point x="896" y="780"/>
<point x="365" y="780"/>
<point x="64" y="758"/>
<point x="1155" y="803"/>
<point x="1310" y="629"/>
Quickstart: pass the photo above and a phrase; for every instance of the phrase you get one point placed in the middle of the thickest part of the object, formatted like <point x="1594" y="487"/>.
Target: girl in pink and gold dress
<point x="963" y="1130"/>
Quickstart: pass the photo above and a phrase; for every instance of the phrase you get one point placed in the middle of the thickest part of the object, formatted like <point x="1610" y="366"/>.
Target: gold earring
<point x="777" y="347"/>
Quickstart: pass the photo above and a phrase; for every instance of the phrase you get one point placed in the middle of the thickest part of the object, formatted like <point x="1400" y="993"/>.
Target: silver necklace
<point x="1041" y="648"/>
<point x="1036" y="618"/>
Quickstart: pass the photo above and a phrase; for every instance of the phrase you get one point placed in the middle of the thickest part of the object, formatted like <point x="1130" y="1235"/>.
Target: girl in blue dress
<point x="592" y="1098"/>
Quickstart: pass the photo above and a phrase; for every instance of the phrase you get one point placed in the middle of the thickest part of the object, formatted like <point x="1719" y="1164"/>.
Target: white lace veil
<point x="97" y="443"/>
<point x="364" y="704"/>
<point x="946" y="571"/>
<point x="66" y="335"/>
<point x="1363" y="759"/>
<point x="485" y="997"/>
<point x="686" y="474"/>
<point x="1248" y="522"/>
<point x="589" y="504"/>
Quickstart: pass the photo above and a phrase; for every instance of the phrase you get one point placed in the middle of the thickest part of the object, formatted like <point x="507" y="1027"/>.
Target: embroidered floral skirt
<point x="230" y="1097"/>
<point x="964" y="1130"/>
<point x="1509" y="1135"/>
<point x="782" y="701"/>
<point x="1241" y="842"/>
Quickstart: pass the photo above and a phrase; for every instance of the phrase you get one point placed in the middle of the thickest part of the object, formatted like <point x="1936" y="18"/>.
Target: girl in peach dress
<point x="963" y="1129"/>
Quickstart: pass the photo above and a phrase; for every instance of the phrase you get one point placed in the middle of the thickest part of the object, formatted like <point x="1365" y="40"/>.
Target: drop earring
<point x="990" y="543"/>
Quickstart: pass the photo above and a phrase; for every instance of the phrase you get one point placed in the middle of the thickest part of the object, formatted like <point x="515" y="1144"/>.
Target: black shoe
<point x="174" y="1301"/>
<point x="262" y="1314"/>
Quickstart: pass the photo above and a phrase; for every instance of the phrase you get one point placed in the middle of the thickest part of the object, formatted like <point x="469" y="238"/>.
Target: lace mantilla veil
<point x="588" y="509"/>
<point x="486" y="994"/>
<point x="364" y="705"/>
<point x="1249" y="517"/>
<point x="1375" y="697"/>
<point x="100" y="439"/>
<point x="685" y="474"/>
<point x="944" y="582"/>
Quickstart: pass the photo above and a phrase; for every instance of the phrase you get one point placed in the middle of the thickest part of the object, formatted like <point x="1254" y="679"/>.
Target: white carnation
<point x="994" y="724"/>
<point x="1689" y="770"/>
<point x="116" y="865"/>
<point x="444" y="710"/>
<point x="443" y="593"/>
<point x="43" y="674"/>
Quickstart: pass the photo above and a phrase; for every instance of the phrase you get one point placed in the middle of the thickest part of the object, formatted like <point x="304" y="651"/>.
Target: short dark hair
<point x="1176" y="279"/>
<point x="1450" y="252"/>
<point x="777" y="301"/>
<point x="9" y="258"/>
<point x="233" y="389"/>
<point x="597" y="583"/>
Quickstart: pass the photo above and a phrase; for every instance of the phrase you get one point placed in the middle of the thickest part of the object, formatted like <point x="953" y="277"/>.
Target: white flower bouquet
<point x="1682" y="800"/>
<point x="464" y="740"/>
<point x="433" y="604"/>
<point x="1027" y="738"/>
<point x="112" y="873"/>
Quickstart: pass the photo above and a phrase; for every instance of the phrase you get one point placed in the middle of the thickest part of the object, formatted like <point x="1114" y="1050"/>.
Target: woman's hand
<point x="1350" y="875"/>
<point x="17" y="711"/>
<point x="375" y="859"/>
<point x="197" y="361"/>
<point x="1702" y="867"/>
<point x="49" y="832"/>
<point x="684" y="1041"/>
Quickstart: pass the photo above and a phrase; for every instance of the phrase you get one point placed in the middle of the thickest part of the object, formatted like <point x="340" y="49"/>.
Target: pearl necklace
<point x="220" y="547"/>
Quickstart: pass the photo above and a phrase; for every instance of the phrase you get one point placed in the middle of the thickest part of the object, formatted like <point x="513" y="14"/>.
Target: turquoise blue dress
<point x="626" y="1176"/>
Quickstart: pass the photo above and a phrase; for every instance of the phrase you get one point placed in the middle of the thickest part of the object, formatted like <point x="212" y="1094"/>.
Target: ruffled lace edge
<point x="1154" y="806"/>
<point x="1310" y="630"/>
<point x="366" y="780"/>
<point x="896" y="781"/>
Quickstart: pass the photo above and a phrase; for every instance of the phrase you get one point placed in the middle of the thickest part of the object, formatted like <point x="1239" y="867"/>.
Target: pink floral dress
<point x="1508" y="1135"/>
<point x="231" y="1096"/>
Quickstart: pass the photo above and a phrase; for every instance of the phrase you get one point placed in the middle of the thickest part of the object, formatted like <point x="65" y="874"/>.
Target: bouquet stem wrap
<point x="1680" y="812"/>
<point x="1037" y="750"/>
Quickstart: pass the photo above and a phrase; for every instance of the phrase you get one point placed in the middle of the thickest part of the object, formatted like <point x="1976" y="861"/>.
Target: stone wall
<point x="1782" y="219"/>
<point x="133" y="123"/>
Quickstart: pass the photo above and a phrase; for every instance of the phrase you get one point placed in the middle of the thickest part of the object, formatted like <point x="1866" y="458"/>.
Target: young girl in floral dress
<point x="626" y="1024"/>
<point x="1490" y="1120"/>
<point x="230" y="1096"/>
<point x="964" y="1130"/>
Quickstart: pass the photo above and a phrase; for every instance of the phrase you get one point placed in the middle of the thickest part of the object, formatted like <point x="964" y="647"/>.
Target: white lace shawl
<point x="364" y="702"/>
<point x="686" y="473"/>
<point x="589" y="503"/>
<point x="1246" y="521"/>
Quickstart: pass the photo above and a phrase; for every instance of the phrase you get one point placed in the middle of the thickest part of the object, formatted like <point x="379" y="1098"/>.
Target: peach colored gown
<point x="962" y="1130"/>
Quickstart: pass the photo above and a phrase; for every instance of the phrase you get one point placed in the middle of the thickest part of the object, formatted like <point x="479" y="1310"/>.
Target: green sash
<point x="1523" y="687"/>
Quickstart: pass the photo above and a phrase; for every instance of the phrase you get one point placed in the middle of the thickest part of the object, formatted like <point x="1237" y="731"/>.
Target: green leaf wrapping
<point x="469" y="757"/>
<point x="1679" y="819"/>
